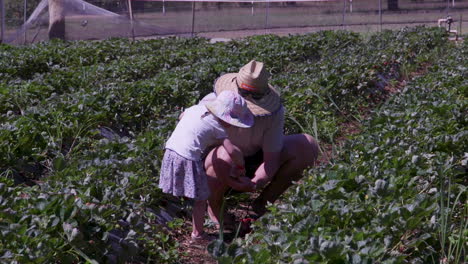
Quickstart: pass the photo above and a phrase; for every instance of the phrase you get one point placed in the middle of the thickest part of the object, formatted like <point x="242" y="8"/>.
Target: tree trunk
<point x="392" y="5"/>
<point x="57" y="19"/>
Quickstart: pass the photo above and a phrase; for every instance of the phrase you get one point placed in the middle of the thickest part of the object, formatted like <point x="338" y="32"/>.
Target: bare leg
<point x="198" y="217"/>
<point x="300" y="151"/>
<point x="216" y="163"/>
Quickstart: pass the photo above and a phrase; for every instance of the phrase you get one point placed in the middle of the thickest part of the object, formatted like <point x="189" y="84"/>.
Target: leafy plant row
<point x="83" y="125"/>
<point x="397" y="194"/>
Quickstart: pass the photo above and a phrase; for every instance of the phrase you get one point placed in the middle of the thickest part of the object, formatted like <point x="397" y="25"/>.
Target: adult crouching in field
<point x="272" y="160"/>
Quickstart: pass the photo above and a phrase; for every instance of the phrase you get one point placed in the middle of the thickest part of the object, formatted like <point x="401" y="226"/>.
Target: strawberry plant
<point x="396" y="195"/>
<point x="83" y="126"/>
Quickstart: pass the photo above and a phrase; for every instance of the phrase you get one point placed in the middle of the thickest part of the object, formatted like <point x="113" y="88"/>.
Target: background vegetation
<point x="83" y="125"/>
<point x="395" y="194"/>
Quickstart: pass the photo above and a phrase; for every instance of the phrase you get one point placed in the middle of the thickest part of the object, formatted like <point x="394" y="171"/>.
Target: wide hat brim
<point x="245" y="121"/>
<point x="264" y="106"/>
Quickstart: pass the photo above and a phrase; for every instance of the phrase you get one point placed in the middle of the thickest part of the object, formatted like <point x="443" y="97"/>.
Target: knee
<point x="311" y="148"/>
<point x="304" y="149"/>
<point x="218" y="161"/>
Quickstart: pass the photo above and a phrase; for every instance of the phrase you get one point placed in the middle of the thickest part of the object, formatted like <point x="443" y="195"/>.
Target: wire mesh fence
<point x="29" y="21"/>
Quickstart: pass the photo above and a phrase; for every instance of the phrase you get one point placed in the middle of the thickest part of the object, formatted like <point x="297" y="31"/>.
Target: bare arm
<point x="237" y="179"/>
<point x="266" y="171"/>
<point x="234" y="152"/>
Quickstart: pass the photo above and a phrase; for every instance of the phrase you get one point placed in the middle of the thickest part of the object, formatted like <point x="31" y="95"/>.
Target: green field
<point x="83" y="125"/>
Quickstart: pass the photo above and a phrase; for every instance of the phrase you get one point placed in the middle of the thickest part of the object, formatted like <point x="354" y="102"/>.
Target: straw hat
<point x="231" y="108"/>
<point x="252" y="83"/>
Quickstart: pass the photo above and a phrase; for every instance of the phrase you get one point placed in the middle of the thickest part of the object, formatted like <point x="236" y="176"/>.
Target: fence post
<point x="25" y="18"/>
<point x="461" y="22"/>
<point x="2" y="22"/>
<point x="448" y="7"/>
<point x="380" y="15"/>
<point x="193" y="19"/>
<point x="252" y="8"/>
<point x="343" y="18"/>
<point x="130" y="10"/>
<point x="266" y="15"/>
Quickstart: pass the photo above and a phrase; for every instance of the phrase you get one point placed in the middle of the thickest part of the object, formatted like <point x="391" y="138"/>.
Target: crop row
<point x="83" y="124"/>
<point x="397" y="194"/>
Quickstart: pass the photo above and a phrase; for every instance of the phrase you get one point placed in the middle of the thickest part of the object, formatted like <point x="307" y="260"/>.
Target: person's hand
<point x="237" y="171"/>
<point x="241" y="171"/>
<point x="244" y="184"/>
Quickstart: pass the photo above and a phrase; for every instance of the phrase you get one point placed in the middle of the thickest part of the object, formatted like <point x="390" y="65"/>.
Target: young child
<point x="202" y="126"/>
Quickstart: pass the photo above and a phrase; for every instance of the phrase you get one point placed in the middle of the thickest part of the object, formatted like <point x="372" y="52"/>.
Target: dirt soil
<point x="196" y="252"/>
